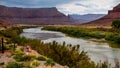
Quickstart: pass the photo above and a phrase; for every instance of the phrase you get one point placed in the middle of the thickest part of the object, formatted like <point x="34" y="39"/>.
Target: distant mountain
<point x="43" y="16"/>
<point x="85" y="18"/>
<point x="107" y="19"/>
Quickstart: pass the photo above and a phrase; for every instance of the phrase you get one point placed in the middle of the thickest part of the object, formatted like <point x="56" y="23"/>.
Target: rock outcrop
<point x="34" y="15"/>
<point x="107" y="19"/>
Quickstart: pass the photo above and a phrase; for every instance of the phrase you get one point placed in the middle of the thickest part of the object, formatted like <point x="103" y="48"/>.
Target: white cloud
<point x="87" y="6"/>
<point x="66" y="6"/>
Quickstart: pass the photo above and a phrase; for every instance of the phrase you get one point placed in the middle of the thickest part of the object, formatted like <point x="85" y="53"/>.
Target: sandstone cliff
<point x="107" y="19"/>
<point x="34" y="15"/>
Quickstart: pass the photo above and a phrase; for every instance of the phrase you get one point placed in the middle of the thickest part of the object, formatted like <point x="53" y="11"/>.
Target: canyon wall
<point x="107" y="19"/>
<point x="44" y="16"/>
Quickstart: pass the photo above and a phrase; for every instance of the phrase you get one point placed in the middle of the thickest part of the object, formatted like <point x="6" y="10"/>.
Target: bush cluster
<point x="61" y="53"/>
<point x="99" y="33"/>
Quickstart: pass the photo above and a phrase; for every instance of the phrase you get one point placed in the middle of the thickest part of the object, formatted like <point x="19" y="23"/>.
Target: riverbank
<point x="95" y="34"/>
<point x="18" y="54"/>
<point x="64" y="54"/>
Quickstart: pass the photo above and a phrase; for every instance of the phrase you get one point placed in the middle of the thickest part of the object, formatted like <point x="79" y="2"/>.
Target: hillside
<point x="107" y="19"/>
<point x="4" y="23"/>
<point x="86" y="18"/>
<point x="42" y="16"/>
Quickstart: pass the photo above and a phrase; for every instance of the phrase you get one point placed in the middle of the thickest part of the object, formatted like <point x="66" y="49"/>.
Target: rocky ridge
<point x="107" y="19"/>
<point x="44" y="16"/>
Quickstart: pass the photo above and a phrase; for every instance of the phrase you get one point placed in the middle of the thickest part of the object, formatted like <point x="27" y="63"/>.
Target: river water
<point x="97" y="51"/>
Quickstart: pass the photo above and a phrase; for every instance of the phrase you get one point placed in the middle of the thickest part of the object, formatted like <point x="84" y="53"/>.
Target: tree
<point x="116" y="24"/>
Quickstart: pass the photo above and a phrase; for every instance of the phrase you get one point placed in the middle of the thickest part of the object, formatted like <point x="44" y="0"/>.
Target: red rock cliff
<point x="34" y="15"/>
<point x="107" y="20"/>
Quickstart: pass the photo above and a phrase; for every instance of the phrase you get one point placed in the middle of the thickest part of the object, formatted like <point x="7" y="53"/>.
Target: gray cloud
<point x="78" y="4"/>
<point x="66" y="6"/>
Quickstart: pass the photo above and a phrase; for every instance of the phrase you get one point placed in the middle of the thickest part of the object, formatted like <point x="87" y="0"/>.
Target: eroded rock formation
<point x="107" y="20"/>
<point x="34" y="15"/>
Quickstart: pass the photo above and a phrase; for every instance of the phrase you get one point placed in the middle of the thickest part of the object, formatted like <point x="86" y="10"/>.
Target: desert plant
<point x="32" y="55"/>
<point x="28" y="57"/>
<point x="50" y="62"/>
<point x="14" y="65"/>
<point x="7" y="47"/>
<point x="35" y="63"/>
<point x="116" y="24"/>
<point x="41" y="58"/>
<point x="18" y="57"/>
<point x="18" y="52"/>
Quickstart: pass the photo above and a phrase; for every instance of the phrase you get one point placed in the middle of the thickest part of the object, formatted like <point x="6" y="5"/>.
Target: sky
<point x="66" y="6"/>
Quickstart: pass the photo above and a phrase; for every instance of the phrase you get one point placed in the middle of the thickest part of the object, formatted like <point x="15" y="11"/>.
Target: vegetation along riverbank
<point x="108" y="34"/>
<point x="59" y="53"/>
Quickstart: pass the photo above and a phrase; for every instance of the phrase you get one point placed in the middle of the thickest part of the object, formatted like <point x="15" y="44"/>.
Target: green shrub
<point x="41" y="58"/>
<point x="18" y="52"/>
<point x="18" y="57"/>
<point x="116" y="24"/>
<point x="113" y="37"/>
<point x="35" y="63"/>
<point x="32" y="55"/>
<point x="50" y="62"/>
<point x="7" y="47"/>
<point x="97" y="35"/>
<point x="14" y="65"/>
<point x="28" y="57"/>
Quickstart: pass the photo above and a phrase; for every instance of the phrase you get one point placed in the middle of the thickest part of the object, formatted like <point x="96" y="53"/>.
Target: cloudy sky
<point x="66" y="6"/>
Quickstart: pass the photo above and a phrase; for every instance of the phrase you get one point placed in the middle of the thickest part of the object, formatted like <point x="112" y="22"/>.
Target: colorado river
<point x="96" y="50"/>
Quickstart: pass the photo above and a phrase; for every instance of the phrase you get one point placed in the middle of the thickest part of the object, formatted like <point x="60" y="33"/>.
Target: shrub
<point x="41" y="58"/>
<point x="7" y="47"/>
<point x="18" y="52"/>
<point x="113" y="37"/>
<point x="28" y="57"/>
<point x="32" y="55"/>
<point x="116" y="24"/>
<point x="14" y="65"/>
<point x="35" y="63"/>
<point x="18" y="57"/>
<point x="50" y="62"/>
